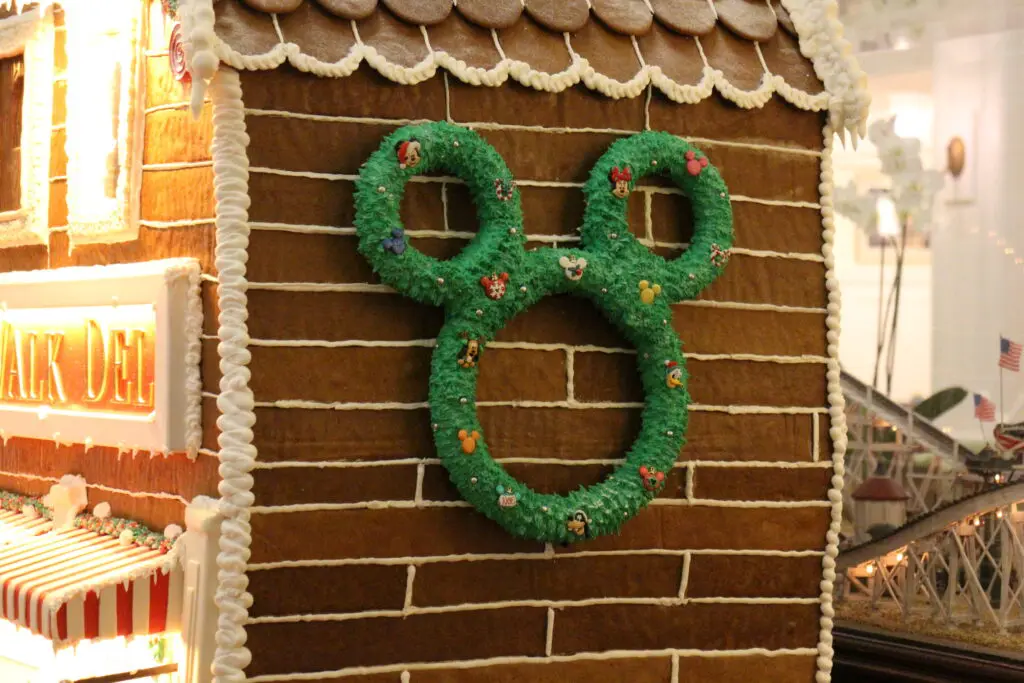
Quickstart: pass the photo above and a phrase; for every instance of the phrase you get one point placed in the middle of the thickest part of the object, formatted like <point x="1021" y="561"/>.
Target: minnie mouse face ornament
<point x="620" y="179"/>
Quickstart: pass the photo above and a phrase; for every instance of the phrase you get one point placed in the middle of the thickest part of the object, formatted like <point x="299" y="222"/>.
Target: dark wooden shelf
<point x="868" y="655"/>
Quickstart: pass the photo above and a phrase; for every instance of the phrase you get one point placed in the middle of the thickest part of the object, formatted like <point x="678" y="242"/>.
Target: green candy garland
<point x="495" y="278"/>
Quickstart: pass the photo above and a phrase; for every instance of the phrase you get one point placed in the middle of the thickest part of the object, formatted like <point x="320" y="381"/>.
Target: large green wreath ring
<point x="494" y="278"/>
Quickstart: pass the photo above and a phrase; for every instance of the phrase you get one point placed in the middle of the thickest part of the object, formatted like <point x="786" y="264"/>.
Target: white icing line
<point x="570" y="374"/>
<point x="525" y="182"/>
<point x="512" y="604"/>
<point x="648" y="217"/>
<point x="402" y="462"/>
<point x="675" y="668"/>
<point x="170" y="106"/>
<point x="300" y="404"/>
<point x="608" y="655"/>
<point x="298" y="508"/>
<point x="421" y="471"/>
<point x="684" y="577"/>
<point x="344" y="464"/>
<point x="647" y="102"/>
<point x="384" y="289"/>
<point x="410" y="577"/>
<point x="690" y="473"/>
<point x="815" y="438"/>
<point x="764" y="253"/>
<point x="781" y="464"/>
<point x="176" y="165"/>
<point x="447" y="233"/>
<point x="491" y="557"/>
<point x="182" y="223"/>
<point x="741" y="306"/>
<point x="160" y="495"/>
<point x="497" y="126"/>
<point x="235" y="402"/>
<point x="549" y="636"/>
<point x="447" y="92"/>
<point x="837" y="412"/>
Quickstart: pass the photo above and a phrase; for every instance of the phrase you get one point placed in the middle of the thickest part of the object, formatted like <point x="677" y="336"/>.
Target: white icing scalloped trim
<point x="837" y="413"/>
<point x="824" y="45"/>
<point x="235" y="402"/>
<point x="821" y="40"/>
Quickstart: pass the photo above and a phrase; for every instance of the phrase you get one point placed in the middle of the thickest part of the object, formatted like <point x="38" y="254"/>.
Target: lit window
<point x="103" y="119"/>
<point x="12" y="91"/>
<point x="26" y="106"/>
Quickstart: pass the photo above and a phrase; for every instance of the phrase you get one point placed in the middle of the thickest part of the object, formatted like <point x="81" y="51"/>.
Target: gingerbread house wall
<point x="356" y="559"/>
<point x="176" y="221"/>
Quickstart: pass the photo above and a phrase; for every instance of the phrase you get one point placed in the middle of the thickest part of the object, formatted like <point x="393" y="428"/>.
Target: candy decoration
<point x="396" y="243"/>
<point x="503" y="189"/>
<point x="506" y="498"/>
<point x="719" y="257"/>
<point x="673" y="374"/>
<point x="653" y="479"/>
<point x="176" y="56"/>
<point x="495" y="285"/>
<point x="648" y="292"/>
<point x="614" y="267"/>
<point x="573" y="267"/>
<point x="409" y="153"/>
<point x="468" y="440"/>
<point x="620" y="181"/>
<point x="695" y="164"/>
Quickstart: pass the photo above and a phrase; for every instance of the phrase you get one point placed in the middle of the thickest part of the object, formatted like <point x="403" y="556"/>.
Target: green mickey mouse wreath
<point x="495" y="278"/>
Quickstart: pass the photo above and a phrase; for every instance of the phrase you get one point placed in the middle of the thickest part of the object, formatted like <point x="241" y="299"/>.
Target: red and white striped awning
<point x="81" y="585"/>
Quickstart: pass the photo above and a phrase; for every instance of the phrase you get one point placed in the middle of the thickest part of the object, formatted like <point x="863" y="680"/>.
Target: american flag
<point x="984" y="409"/>
<point x="1009" y="354"/>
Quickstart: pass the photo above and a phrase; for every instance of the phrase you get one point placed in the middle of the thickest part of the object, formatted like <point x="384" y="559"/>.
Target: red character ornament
<point x="620" y="179"/>
<point x="495" y="285"/>
<point x="695" y="164"/>
<point x="653" y="479"/>
<point x="408" y="152"/>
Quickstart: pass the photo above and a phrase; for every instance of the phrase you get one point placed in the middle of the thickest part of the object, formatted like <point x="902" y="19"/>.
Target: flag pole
<point x="981" y="426"/>
<point x="1002" y="417"/>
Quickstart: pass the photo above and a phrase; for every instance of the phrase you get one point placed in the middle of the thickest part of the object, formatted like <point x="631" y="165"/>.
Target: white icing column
<point x="199" y="621"/>
<point x="978" y="286"/>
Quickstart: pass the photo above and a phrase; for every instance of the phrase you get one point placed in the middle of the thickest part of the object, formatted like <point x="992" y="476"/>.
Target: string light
<point x="899" y="557"/>
<point x="999" y="514"/>
<point x="870" y="569"/>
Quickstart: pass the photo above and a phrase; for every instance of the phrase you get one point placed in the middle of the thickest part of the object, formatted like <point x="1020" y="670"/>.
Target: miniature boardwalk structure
<point x="960" y="555"/>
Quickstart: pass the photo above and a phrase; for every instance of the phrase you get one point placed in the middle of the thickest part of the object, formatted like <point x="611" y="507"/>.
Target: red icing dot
<point x="693" y="167"/>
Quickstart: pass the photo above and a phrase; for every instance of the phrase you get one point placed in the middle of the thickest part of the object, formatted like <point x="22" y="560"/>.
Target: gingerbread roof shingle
<point x="747" y="50"/>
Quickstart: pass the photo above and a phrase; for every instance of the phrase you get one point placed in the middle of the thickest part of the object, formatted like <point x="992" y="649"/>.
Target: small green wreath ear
<point x="414" y="150"/>
<point x="605" y="224"/>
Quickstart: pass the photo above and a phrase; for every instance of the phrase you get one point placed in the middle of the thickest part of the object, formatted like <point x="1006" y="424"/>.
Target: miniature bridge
<point x="929" y="464"/>
<point x="961" y="562"/>
<point x="960" y="557"/>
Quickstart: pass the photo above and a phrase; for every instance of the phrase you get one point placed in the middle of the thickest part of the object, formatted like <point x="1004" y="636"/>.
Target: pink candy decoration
<point x="694" y="165"/>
